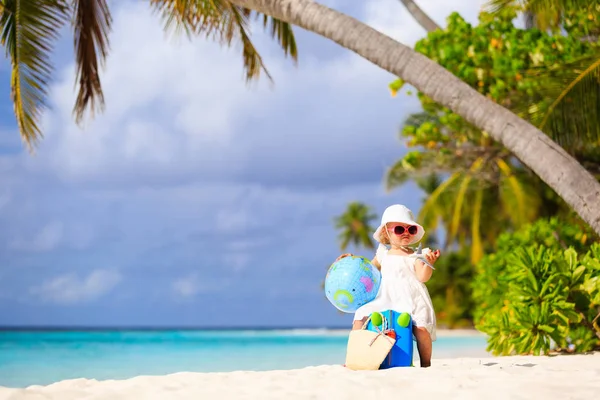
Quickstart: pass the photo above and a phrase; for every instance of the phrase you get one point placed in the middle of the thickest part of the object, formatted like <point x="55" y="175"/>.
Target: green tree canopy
<point x="542" y="285"/>
<point x="570" y="91"/>
<point x="486" y="189"/>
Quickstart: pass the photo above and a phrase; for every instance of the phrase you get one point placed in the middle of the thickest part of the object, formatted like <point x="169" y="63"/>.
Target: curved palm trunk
<point x="536" y="150"/>
<point x="419" y="15"/>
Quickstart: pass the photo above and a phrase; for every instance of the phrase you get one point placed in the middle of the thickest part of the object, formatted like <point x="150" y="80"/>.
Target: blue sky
<point x="195" y="199"/>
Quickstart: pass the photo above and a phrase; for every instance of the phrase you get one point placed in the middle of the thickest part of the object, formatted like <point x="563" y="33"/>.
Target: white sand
<point x="511" y="378"/>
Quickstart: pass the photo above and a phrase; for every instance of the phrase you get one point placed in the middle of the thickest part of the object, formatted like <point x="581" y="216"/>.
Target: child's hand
<point x="432" y="256"/>
<point x="342" y="256"/>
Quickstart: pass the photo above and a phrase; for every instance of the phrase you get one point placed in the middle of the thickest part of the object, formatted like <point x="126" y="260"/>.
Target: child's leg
<point x="424" y="345"/>
<point x="358" y="324"/>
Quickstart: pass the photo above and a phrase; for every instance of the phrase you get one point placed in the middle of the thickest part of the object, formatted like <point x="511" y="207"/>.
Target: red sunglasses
<point x="400" y="229"/>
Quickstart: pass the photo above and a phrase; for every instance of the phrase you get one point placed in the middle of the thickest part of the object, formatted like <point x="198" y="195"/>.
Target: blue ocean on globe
<point x="352" y="282"/>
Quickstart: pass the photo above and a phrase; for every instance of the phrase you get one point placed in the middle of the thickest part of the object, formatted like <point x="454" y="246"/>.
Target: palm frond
<point x="396" y="176"/>
<point x="193" y="16"/>
<point x="355" y="226"/>
<point x="458" y="206"/>
<point x="460" y="197"/>
<point x="571" y="113"/>
<point x="431" y="162"/>
<point x="519" y="195"/>
<point x="476" y="244"/>
<point x="418" y="119"/>
<point x="29" y="28"/>
<point x="253" y="62"/>
<point x="519" y="212"/>
<point x="545" y="14"/>
<point x="427" y="213"/>
<point x="345" y="238"/>
<point x="226" y="23"/>
<point x="92" y="26"/>
<point x="428" y="183"/>
<point x="284" y="34"/>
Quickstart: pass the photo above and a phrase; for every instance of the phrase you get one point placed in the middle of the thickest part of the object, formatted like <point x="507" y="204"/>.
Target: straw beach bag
<point x="367" y="349"/>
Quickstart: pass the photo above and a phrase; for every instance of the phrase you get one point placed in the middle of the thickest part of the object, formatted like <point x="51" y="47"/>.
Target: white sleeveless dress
<point x="401" y="291"/>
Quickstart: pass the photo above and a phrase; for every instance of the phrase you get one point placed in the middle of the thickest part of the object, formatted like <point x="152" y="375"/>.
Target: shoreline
<point x="441" y="332"/>
<point x="513" y="377"/>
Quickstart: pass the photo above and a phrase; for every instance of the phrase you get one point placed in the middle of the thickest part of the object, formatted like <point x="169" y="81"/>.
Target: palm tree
<point x="529" y="144"/>
<point x="420" y="16"/>
<point x="355" y="226"/>
<point x="29" y="25"/>
<point x="486" y="191"/>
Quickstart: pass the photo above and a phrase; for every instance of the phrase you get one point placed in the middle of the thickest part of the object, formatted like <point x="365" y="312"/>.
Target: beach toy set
<point x="352" y="282"/>
<point x="385" y="341"/>
<point x="398" y="326"/>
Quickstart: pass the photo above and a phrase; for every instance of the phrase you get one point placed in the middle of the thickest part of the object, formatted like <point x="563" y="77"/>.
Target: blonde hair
<point x="383" y="236"/>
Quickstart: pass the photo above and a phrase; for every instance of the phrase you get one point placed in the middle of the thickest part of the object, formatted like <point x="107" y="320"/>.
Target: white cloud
<point x="187" y="154"/>
<point x="70" y="289"/>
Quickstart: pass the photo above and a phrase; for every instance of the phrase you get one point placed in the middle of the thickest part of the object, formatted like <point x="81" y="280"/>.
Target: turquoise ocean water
<point x="44" y="357"/>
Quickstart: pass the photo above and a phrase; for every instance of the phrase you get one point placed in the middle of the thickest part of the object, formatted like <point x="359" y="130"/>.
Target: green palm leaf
<point x="575" y="90"/>
<point x="355" y="226"/>
<point x="428" y="212"/>
<point x="192" y="16"/>
<point x="517" y="192"/>
<point x="547" y="14"/>
<point x="29" y="28"/>
<point x="460" y="198"/>
<point x="284" y="34"/>
<point x="519" y="199"/>
<point x="92" y="26"/>
<point x="458" y="206"/>
<point x="226" y="22"/>
<point x="476" y="244"/>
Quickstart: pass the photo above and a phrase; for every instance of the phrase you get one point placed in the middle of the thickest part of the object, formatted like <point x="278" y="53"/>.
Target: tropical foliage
<point x="450" y="290"/>
<point x="355" y="226"/>
<point x="570" y="92"/>
<point x="540" y="291"/>
<point x="486" y="190"/>
<point x="30" y="28"/>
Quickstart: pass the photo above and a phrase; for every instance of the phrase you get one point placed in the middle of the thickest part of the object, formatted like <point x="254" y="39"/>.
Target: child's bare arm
<point x="424" y="271"/>
<point x="376" y="263"/>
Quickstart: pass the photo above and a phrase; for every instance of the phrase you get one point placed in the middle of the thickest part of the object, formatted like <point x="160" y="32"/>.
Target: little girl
<point x="402" y="277"/>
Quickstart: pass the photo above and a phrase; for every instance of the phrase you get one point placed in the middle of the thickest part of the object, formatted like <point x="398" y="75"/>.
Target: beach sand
<point x="524" y="377"/>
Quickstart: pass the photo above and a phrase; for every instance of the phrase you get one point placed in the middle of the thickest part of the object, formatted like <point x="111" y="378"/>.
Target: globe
<point x="351" y="282"/>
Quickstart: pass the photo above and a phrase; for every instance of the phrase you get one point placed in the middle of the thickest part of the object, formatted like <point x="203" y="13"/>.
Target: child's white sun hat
<point x="401" y="214"/>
